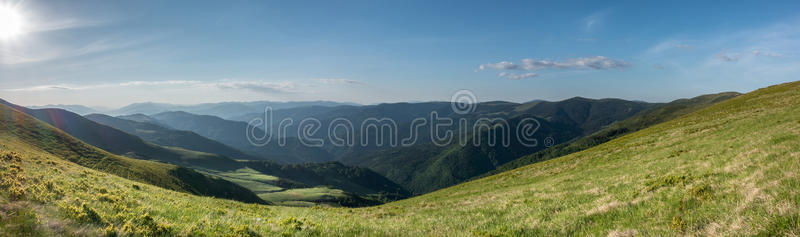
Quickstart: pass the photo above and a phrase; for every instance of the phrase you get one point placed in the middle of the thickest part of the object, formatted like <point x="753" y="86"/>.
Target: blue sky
<point x="112" y="53"/>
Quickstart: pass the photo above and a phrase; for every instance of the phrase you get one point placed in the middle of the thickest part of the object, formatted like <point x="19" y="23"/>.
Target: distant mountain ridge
<point x="221" y="109"/>
<point x="169" y="137"/>
<point x="232" y="133"/>
<point x="78" y="109"/>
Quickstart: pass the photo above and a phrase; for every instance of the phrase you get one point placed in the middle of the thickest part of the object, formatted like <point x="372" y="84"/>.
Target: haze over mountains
<point x="420" y="167"/>
<point x="221" y="109"/>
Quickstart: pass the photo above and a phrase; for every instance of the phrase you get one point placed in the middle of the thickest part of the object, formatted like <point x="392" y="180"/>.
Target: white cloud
<point x="596" y="62"/>
<point x="333" y="81"/>
<point x="499" y="66"/>
<point x="45" y="88"/>
<point x="584" y="63"/>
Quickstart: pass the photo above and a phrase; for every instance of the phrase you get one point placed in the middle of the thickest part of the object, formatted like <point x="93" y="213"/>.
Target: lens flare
<point x="11" y="23"/>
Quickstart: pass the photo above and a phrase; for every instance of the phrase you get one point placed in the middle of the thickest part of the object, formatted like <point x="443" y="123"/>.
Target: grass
<point x="305" y="196"/>
<point x="730" y="169"/>
<point x="269" y="188"/>
<point x="246" y="177"/>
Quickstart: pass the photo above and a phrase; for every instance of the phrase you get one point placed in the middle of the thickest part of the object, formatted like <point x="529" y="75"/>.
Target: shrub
<point x="668" y="181"/>
<point x="242" y="231"/>
<point x="701" y="192"/>
<point x="145" y="225"/>
<point x="83" y="213"/>
<point x="103" y="197"/>
<point x="110" y="231"/>
<point x="291" y="223"/>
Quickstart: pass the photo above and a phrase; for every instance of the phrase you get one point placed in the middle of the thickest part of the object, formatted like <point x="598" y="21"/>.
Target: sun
<point x="11" y="23"/>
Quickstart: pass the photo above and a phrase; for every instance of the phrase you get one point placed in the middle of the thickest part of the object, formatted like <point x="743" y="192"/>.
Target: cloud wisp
<point x="594" y="20"/>
<point x="684" y="46"/>
<point x="335" y="81"/>
<point x="584" y="63"/>
<point x="499" y="66"/>
<point x="764" y="53"/>
<point x="724" y="56"/>
<point x="515" y="76"/>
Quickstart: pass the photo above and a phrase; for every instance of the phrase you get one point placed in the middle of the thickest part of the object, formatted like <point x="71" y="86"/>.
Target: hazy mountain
<point x="169" y="137"/>
<point x="222" y="109"/>
<point x="78" y="109"/>
<point x="142" y="119"/>
<point x="233" y="133"/>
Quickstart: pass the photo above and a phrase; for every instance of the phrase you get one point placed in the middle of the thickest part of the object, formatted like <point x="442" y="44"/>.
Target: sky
<point x="114" y="53"/>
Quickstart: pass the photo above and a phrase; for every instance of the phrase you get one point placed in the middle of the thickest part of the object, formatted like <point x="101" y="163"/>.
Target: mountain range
<point x="193" y="151"/>
<point x="222" y="109"/>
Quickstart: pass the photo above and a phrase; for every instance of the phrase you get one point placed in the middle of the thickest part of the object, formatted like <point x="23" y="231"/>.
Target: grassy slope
<point x="730" y="169"/>
<point x="18" y="127"/>
<point x="642" y="120"/>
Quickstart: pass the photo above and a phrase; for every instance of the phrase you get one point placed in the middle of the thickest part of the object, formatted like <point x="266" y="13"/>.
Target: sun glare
<point x="11" y="23"/>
